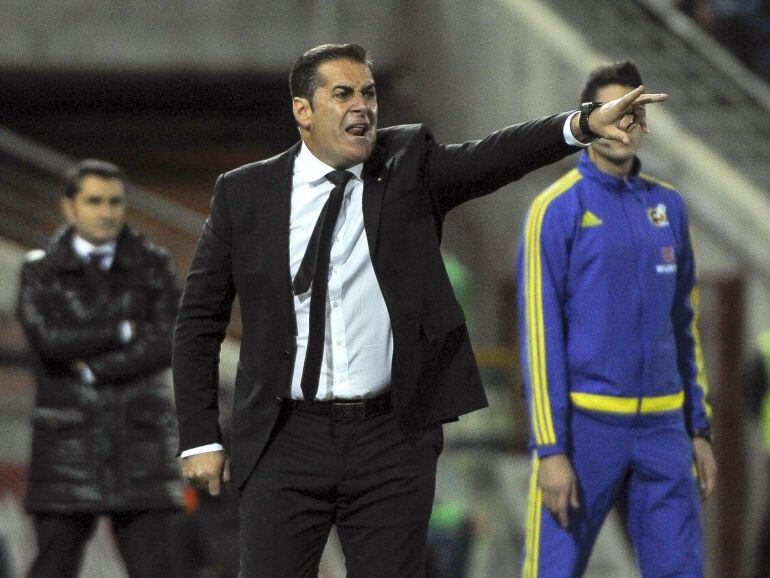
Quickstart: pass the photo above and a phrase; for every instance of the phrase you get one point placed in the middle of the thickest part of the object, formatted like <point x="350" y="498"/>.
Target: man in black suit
<point x="354" y="349"/>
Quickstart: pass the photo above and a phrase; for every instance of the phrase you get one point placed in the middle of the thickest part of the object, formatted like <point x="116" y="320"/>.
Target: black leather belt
<point x="341" y="409"/>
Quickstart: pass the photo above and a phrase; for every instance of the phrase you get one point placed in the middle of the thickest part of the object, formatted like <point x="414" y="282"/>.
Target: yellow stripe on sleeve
<point x="700" y="378"/>
<point x="542" y="421"/>
<point x="534" y="508"/>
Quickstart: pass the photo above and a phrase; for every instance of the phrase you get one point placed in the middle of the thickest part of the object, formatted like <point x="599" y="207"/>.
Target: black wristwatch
<point x="585" y="111"/>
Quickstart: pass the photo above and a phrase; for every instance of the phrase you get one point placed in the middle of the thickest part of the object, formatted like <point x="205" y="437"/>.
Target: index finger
<point x="649" y="98"/>
<point x="226" y="471"/>
<point x="627" y="99"/>
<point x="711" y="481"/>
<point x="214" y="485"/>
<point x="562" y="509"/>
<point x="638" y="97"/>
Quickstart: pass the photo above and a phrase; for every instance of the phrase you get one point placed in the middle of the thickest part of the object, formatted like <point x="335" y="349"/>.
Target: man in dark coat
<point x="98" y="308"/>
<point x="354" y="348"/>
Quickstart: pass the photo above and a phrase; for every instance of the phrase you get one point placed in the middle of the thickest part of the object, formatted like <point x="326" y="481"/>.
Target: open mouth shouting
<point x="358" y="129"/>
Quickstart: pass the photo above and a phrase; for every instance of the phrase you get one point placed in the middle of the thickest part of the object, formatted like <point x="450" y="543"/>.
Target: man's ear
<point x="303" y="111"/>
<point x="67" y="209"/>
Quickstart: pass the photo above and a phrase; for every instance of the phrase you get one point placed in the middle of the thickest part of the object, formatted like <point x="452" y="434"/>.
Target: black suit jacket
<point x="410" y="183"/>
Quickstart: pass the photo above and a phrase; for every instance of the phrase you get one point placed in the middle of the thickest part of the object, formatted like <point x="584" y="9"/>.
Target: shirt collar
<point x="83" y="248"/>
<point x="310" y="169"/>
<point x="589" y="170"/>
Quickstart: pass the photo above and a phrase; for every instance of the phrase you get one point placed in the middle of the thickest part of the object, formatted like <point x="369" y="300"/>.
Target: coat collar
<point x="64" y="257"/>
<point x="313" y="170"/>
<point x="590" y="171"/>
<point x="374" y="175"/>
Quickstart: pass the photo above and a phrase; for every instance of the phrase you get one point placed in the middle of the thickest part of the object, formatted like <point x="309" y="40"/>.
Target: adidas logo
<point x="590" y="220"/>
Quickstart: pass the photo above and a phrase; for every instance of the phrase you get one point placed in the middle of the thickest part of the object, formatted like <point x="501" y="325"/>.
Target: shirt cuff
<point x="125" y="331"/>
<point x="569" y="138"/>
<point x="202" y="450"/>
<point x="87" y="375"/>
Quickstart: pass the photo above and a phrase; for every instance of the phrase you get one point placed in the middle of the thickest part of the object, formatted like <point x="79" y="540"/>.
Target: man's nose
<point x="107" y="211"/>
<point x="360" y="102"/>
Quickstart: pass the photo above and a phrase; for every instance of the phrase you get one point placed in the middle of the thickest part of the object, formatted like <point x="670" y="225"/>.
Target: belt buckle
<point x="348" y="410"/>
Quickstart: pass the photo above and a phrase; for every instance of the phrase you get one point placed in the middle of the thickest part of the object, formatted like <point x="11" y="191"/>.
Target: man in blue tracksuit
<point x="615" y="383"/>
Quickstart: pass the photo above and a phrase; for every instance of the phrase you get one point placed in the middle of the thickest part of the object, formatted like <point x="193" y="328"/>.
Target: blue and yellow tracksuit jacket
<point x="608" y="304"/>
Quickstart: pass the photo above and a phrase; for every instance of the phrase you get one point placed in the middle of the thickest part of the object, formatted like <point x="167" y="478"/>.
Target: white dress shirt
<point x="84" y="249"/>
<point x="358" y="346"/>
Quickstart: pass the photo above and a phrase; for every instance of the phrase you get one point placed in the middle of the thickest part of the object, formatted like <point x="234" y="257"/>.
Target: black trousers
<point x="362" y="475"/>
<point x="143" y="538"/>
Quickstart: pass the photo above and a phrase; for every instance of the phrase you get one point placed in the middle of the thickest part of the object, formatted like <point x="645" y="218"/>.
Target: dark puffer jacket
<point x="107" y="446"/>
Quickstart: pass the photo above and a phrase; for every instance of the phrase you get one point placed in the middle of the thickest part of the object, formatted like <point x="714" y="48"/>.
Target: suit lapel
<point x="275" y="194"/>
<point x="275" y="190"/>
<point x="375" y="177"/>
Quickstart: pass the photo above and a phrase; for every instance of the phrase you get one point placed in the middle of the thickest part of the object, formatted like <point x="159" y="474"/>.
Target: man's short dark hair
<point x="624" y="73"/>
<point x="304" y="78"/>
<point x="88" y="167"/>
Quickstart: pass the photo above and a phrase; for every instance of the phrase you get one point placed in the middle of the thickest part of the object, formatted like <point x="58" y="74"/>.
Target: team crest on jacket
<point x="658" y="215"/>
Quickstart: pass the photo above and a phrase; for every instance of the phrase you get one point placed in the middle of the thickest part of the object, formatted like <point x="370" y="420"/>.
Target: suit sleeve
<point x="200" y="329"/>
<point x="54" y="338"/>
<point x="150" y="351"/>
<point x="542" y="274"/>
<point x="459" y="172"/>
<point x="685" y="321"/>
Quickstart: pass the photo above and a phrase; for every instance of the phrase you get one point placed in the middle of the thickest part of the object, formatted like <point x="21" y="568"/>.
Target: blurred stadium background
<point x="176" y="92"/>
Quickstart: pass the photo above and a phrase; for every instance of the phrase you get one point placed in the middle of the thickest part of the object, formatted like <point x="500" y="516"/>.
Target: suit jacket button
<point x="278" y="400"/>
<point x="286" y="353"/>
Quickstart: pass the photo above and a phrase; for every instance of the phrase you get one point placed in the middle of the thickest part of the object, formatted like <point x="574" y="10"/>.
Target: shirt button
<point x="335" y="304"/>
<point x="339" y="342"/>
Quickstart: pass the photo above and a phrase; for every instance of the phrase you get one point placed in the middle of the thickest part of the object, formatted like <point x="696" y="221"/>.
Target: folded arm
<point x="54" y="338"/>
<point x="150" y="349"/>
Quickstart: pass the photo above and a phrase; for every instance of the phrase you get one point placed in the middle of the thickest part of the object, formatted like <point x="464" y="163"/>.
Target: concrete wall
<point x="192" y="34"/>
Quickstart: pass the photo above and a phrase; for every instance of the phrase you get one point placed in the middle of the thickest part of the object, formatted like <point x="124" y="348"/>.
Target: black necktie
<point x="94" y="270"/>
<point x="315" y="269"/>
<point x="95" y="262"/>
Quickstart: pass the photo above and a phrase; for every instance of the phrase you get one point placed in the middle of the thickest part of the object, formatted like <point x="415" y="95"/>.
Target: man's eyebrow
<point x="100" y="198"/>
<point x="349" y="87"/>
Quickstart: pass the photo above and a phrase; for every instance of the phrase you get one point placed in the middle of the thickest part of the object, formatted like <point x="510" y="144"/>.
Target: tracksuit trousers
<point x="644" y="463"/>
